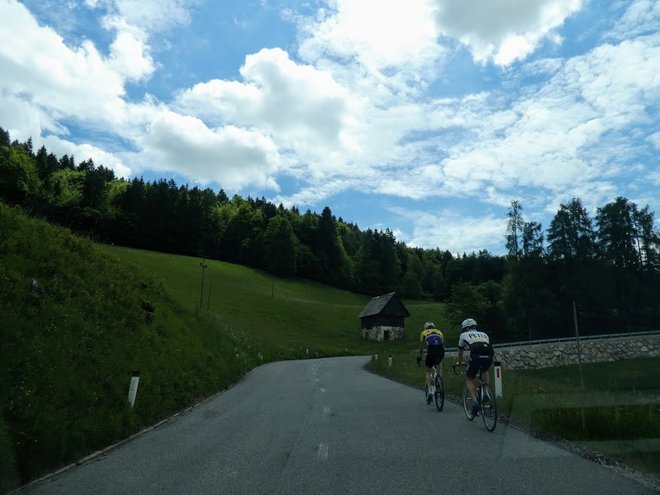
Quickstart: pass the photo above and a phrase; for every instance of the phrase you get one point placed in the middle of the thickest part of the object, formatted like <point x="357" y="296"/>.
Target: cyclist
<point x="481" y="356"/>
<point x="434" y="340"/>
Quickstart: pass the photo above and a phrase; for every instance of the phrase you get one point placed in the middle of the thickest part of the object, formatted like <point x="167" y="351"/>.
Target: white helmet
<point x="429" y="324"/>
<point x="469" y="323"/>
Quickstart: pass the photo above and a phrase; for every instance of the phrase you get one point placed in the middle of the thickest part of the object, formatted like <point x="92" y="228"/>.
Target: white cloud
<point x="555" y="137"/>
<point x="385" y="46"/>
<point x="38" y="67"/>
<point x="154" y="15"/>
<point x="129" y="52"/>
<point x="380" y="34"/>
<point x="60" y="147"/>
<point x="233" y="157"/>
<point x="642" y="17"/>
<point x="278" y="94"/>
<point x="303" y="109"/>
<point x="454" y="230"/>
<point x="655" y="139"/>
<point x="24" y="120"/>
<point x="503" y="31"/>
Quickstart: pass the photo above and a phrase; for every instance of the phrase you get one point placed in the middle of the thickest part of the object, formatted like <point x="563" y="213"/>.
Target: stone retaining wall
<point x="553" y="354"/>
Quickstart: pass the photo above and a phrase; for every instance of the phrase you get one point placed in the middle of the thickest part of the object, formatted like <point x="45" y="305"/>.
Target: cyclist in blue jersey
<point x="481" y="356"/>
<point x="434" y="340"/>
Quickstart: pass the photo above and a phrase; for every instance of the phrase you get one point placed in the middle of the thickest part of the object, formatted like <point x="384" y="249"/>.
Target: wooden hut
<point x="382" y="318"/>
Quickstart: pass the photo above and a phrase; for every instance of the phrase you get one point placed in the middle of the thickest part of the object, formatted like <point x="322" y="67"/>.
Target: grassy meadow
<point x="289" y="315"/>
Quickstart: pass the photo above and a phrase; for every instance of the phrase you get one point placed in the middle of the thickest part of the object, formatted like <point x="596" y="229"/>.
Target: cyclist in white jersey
<point x="481" y="356"/>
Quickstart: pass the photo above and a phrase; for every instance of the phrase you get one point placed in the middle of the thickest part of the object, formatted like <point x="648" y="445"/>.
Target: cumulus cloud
<point x="381" y="48"/>
<point x="278" y="95"/>
<point x="454" y="230"/>
<point x="228" y="155"/>
<point x="129" y="52"/>
<point x="503" y="31"/>
<point x="330" y="130"/>
<point x="379" y="34"/>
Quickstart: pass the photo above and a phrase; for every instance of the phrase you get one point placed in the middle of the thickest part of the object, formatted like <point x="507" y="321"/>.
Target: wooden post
<point x="577" y="341"/>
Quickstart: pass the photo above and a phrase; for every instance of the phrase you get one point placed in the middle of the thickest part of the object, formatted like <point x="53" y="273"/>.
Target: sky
<point x="425" y="117"/>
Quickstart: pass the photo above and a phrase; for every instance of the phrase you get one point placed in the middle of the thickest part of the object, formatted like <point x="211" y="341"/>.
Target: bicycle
<point x="438" y="388"/>
<point x="487" y="405"/>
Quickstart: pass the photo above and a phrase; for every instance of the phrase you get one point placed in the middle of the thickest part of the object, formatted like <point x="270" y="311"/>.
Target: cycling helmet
<point x="469" y="323"/>
<point x="429" y="324"/>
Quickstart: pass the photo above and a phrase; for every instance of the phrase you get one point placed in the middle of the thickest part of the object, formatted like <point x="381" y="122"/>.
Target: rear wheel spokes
<point x="488" y="408"/>
<point x="439" y="393"/>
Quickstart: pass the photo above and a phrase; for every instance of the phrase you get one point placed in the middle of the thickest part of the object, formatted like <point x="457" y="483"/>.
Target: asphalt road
<point x="327" y="426"/>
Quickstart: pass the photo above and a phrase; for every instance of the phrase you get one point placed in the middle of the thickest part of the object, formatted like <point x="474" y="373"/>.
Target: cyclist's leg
<point x="485" y="367"/>
<point x="430" y="363"/>
<point x="428" y="378"/>
<point x="439" y="359"/>
<point x="470" y="374"/>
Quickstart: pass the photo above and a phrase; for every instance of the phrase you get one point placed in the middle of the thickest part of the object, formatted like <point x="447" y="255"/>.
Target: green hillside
<point x="70" y="341"/>
<point x="290" y="315"/>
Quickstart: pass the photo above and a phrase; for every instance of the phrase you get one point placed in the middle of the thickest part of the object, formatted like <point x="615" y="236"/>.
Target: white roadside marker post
<point x="132" y="389"/>
<point x="498" y="378"/>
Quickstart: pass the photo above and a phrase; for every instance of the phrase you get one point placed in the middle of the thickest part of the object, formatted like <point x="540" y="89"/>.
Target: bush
<point x="8" y="474"/>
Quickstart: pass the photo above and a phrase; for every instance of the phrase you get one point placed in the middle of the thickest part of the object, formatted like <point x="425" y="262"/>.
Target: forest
<point x="605" y="265"/>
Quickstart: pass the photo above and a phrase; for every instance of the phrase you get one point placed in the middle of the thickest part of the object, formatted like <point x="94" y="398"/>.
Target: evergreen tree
<point x="329" y="251"/>
<point x="617" y="233"/>
<point x="5" y="139"/>
<point x="571" y="234"/>
<point x="411" y="285"/>
<point x="648" y="239"/>
<point x="515" y="230"/>
<point x="280" y="246"/>
<point x="532" y="239"/>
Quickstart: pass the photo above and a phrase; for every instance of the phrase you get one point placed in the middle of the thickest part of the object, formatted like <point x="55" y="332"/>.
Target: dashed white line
<point x="326" y="410"/>
<point x="323" y="451"/>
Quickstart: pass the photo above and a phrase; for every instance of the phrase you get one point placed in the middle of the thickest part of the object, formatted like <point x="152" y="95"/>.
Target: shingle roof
<point x="378" y="303"/>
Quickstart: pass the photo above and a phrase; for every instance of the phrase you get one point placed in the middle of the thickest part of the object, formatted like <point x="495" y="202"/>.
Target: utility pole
<point x="577" y="340"/>
<point x="208" y="301"/>
<point x="201" y="292"/>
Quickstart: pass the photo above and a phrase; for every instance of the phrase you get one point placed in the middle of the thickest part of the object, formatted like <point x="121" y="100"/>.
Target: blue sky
<point x="427" y="117"/>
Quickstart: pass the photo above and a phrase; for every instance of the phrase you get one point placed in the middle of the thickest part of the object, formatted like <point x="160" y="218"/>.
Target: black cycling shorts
<point x="478" y="362"/>
<point x="434" y="355"/>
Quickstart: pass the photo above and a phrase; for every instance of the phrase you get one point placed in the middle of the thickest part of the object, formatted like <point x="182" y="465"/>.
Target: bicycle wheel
<point x="488" y="408"/>
<point x="439" y="393"/>
<point x="467" y="402"/>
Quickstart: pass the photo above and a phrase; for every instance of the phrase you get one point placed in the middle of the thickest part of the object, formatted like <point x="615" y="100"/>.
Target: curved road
<point x="327" y="426"/>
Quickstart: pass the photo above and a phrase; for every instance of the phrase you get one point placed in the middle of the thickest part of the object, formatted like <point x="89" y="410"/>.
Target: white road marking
<point x="322" y="390"/>
<point x="326" y="410"/>
<point x="323" y="451"/>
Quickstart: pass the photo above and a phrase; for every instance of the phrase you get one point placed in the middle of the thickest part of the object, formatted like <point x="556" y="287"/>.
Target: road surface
<point x="327" y="426"/>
